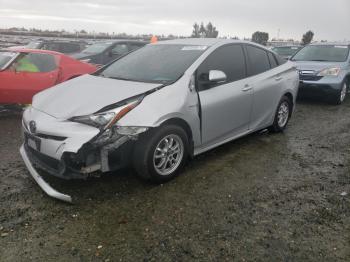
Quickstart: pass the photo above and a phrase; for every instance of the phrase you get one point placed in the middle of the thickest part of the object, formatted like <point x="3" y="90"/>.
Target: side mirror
<point x="217" y="76"/>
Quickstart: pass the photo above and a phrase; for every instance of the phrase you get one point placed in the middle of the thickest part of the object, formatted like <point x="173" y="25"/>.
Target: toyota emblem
<point x="32" y="127"/>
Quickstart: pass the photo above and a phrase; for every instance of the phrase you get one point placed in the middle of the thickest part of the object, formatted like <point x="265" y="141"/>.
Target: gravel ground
<point x="266" y="197"/>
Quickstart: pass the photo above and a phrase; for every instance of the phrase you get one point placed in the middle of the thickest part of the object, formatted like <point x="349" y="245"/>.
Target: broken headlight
<point x="106" y="120"/>
<point x="130" y="130"/>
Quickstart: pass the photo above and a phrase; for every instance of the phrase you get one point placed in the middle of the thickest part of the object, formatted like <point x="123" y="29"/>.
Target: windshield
<point x="154" y="63"/>
<point x="34" y="45"/>
<point x="327" y="53"/>
<point x="96" y="48"/>
<point x="5" y="58"/>
<point x="286" y="50"/>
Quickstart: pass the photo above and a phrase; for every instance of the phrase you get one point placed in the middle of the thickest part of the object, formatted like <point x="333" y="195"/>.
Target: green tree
<point x="204" y="31"/>
<point x="260" y="37"/>
<point x="307" y="37"/>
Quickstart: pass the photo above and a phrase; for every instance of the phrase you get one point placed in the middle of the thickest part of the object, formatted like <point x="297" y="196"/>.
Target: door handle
<point x="278" y="78"/>
<point x="246" y="88"/>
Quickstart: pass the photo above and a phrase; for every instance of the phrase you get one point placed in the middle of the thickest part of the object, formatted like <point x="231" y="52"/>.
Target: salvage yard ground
<point x="266" y="197"/>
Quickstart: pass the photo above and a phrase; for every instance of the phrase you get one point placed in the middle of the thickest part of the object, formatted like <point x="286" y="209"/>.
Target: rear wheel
<point x="161" y="153"/>
<point x="283" y="113"/>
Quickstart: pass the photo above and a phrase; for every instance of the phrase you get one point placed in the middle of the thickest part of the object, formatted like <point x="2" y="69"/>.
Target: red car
<point x="25" y="72"/>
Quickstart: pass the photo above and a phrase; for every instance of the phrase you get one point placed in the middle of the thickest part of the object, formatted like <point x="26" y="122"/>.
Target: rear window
<point x="327" y="53"/>
<point x="5" y="58"/>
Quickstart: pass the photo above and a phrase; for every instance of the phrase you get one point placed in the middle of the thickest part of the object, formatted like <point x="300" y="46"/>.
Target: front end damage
<point x="110" y="149"/>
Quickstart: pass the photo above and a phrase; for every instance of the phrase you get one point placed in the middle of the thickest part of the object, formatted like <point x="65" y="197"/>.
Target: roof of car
<point x="332" y="43"/>
<point x="199" y="41"/>
<point x="113" y="41"/>
<point x="26" y="50"/>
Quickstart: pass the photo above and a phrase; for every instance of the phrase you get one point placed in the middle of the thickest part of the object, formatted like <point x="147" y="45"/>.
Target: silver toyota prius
<point x="155" y="108"/>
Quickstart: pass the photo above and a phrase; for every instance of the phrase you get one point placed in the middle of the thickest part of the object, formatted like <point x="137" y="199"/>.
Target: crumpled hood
<point x="86" y="95"/>
<point x="316" y="66"/>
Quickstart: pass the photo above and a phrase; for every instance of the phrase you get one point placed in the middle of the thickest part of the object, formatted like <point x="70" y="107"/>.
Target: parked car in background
<point x="25" y="72"/>
<point x="286" y="52"/>
<point x="102" y="53"/>
<point x="61" y="46"/>
<point x="155" y="107"/>
<point x="324" y="70"/>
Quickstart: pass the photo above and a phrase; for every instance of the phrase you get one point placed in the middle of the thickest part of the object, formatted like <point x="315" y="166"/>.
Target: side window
<point x="51" y="47"/>
<point x="120" y="49"/>
<point x="69" y="48"/>
<point x="259" y="61"/>
<point x="228" y="59"/>
<point x="35" y="63"/>
<point x="272" y="59"/>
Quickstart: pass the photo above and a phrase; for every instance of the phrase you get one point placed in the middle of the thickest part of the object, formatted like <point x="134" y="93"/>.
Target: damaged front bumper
<point x="63" y="157"/>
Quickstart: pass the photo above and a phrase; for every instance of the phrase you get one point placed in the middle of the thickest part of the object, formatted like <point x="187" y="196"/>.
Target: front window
<point x="96" y="48"/>
<point x="5" y="58"/>
<point x="326" y="53"/>
<point x="154" y="63"/>
<point x="286" y="50"/>
<point x="35" y="63"/>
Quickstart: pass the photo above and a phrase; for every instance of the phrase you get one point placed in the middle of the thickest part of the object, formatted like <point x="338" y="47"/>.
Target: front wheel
<point x="283" y="113"/>
<point x="341" y="95"/>
<point x="161" y="153"/>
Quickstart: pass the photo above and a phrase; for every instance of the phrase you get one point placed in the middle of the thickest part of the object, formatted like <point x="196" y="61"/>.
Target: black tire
<point x="276" y="126"/>
<point x="143" y="156"/>
<point x="338" y="99"/>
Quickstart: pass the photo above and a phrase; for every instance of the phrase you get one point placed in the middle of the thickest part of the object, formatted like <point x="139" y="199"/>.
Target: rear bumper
<point x="40" y="181"/>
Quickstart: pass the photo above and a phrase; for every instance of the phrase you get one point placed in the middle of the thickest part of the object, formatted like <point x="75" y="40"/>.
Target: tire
<point x="282" y="115"/>
<point x="152" y="150"/>
<point x="341" y="95"/>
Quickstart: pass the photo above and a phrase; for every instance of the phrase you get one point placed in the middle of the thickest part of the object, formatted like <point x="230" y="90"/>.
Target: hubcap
<point x="283" y="114"/>
<point x="168" y="155"/>
<point x="343" y="93"/>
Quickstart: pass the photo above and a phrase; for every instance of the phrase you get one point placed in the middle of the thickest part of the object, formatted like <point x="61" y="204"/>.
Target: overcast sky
<point x="328" y="19"/>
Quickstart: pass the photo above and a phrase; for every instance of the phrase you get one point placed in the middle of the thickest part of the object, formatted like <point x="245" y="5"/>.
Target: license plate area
<point x="32" y="141"/>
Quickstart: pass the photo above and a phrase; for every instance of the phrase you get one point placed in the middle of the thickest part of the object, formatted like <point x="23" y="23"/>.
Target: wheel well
<point x="185" y="126"/>
<point x="290" y="96"/>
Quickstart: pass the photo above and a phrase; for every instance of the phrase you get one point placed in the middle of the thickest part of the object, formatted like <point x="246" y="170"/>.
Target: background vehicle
<point x="157" y="106"/>
<point x="25" y="72"/>
<point x="61" y="46"/>
<point x="286" y="52"/>
<point x="102" y="53"/>
<point x="324" y="70"/>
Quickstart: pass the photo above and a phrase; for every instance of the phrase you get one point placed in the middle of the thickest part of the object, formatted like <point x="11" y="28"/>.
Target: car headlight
<point x="106" y="120"/>
<point x="334" y="71"/>
<point x="130" y="130"/>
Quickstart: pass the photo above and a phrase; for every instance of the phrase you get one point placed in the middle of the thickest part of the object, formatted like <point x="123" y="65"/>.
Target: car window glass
<point x="259" y="61"/>
<point x="5" y="58"/>
<point x="35" y="63"/>
<point x="228" y="59"/>
<point x="69" y="48"/>
<point x="272" y="59"/>
<point x="51" y="47"/>
<point x="120" y="49"/>
<point x="134" y="46"/>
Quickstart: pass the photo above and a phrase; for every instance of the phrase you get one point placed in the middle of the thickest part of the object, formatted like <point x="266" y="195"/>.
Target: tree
<point x="307" y="37"/>
<point x="204" y="31"/>
<point x="260" y="37"/>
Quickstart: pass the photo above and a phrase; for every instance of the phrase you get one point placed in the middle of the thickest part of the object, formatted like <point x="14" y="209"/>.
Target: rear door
<point x="28" y="75"/>
<point x="266" y="79"/>
<point x="226" y="107"/>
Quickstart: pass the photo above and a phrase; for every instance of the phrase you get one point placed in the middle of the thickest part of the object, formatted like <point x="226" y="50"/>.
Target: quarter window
<point x="272" y="59"/>
<point x="259" y="61"/>
<point x="228" y="59"/>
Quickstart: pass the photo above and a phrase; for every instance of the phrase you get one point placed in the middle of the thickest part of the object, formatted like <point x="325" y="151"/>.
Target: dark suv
<point x="65" y="47"/>
<point x="101" y="53"/>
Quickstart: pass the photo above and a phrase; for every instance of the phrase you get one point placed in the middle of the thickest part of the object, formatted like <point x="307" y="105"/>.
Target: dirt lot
<point x="266" y="197"/>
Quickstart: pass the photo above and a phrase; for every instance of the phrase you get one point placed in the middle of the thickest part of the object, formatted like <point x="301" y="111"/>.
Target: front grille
<point x="310" y="77"/>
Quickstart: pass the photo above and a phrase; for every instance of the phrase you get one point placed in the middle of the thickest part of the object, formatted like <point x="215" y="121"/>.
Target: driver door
<point x="20" y="83"/>
<point x="225" y="107"/>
